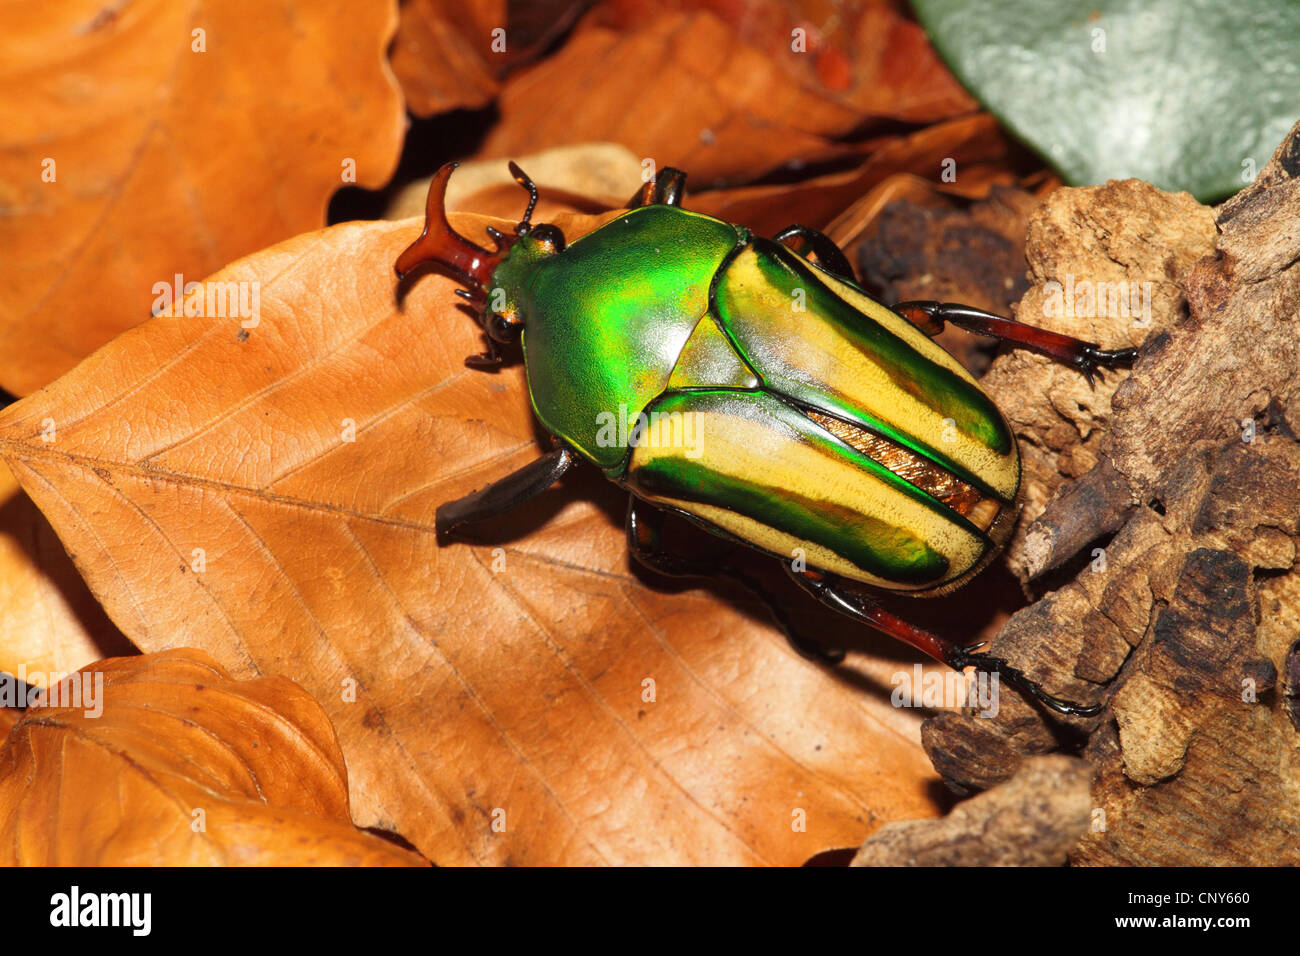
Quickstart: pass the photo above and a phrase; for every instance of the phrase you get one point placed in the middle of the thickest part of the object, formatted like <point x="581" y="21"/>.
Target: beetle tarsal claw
<point x="964" y="658"/>
<point x="1092" y="359"/>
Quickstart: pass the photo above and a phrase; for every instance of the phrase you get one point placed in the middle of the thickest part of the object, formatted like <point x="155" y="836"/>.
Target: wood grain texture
<point x="1186" y="622"/>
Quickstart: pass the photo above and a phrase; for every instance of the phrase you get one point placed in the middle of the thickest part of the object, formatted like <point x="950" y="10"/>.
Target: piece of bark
<point x="1094" y="254"/>
<point x="1031" y="820"/>
<point x="1186" y="619"/>
<point x="1199" y="765"/>
<point x="920" y="252"/>
<point x="975" y="256"/>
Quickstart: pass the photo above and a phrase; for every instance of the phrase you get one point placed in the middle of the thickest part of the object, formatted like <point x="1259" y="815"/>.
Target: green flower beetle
<point x="762" y="395"/>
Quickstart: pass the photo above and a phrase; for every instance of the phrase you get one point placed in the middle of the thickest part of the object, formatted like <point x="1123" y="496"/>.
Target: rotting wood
<point x="1167" y="507"/>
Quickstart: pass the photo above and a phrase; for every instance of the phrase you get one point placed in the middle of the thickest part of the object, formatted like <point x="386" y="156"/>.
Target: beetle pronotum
<point x="837" y="430"/>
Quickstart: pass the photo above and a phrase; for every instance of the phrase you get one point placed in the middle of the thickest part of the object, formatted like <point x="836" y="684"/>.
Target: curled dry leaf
<point x="451" y="54"/>
<point x="176" y="764"/>
<point x="143" y="141"/>
<point x="600" y="176"/>
<point x="973" y="143"/>
<point x="268" y="495"/>
<point x="52" y="623"/>
<point x="867" y="55"/>
<point x="724" y="92"/>
<point x="442" y="53"/>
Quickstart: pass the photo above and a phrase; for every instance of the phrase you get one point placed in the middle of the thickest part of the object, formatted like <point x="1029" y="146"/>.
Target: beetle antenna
<point x="441" y="244"/>
<point x="522" y="179"/>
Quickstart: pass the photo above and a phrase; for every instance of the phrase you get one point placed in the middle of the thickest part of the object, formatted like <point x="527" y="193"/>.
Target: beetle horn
<point x="442" y="244"/>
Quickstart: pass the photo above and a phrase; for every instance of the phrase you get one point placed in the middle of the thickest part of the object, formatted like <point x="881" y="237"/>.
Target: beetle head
<point x="475" y="265"/>
<point x="444" y="246"/>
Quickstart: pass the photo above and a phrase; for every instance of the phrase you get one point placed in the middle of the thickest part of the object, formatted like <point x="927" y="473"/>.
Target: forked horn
<point x="441" y="244"/>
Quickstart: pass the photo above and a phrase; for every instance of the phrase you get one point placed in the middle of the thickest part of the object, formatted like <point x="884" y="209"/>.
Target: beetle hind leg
<point x="825" y="588"/>
<point x="803" y="239"/>
<point x="1088" y="357"/>
<point x="963" y="657"/>
<point x="645" y="524"/>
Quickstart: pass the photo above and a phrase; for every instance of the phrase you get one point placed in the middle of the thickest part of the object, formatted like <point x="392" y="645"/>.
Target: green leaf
<point x="1186" y="94"/>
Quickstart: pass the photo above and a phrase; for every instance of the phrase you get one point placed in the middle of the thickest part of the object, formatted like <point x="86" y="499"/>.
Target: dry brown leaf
<point x="305" y="459"/>
<point x="973" y="143"/>
<point x="442" y="53"/>
<point x="178" y="765"/>
<point x="169" y="161"/>
<point x="719" y="91"/>
<point x="52" y="623"/>
<point x="866" y="54"/>
<point x="600" y="176"/>
<point x="854" y="222"/>
<point x="8" y="717"/>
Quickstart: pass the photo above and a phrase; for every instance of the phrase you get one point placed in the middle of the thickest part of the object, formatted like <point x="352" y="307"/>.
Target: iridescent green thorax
<point x="605" y="321"/>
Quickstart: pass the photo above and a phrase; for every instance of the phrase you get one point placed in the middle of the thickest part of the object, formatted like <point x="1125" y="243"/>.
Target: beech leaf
<point x="163" y="760"/>
<point x="139" y="142"/>
<point x="267" y="494"/>
<point x="52" y="623"/>
<point x="727" y="92"/>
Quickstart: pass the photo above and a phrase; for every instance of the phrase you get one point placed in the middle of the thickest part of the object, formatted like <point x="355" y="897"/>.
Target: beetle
<point x="830" y="427"/>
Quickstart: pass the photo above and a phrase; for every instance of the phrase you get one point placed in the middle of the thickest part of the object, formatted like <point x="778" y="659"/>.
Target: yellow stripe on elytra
<point x="747" y="449"/>
<point x="842" y="369"/>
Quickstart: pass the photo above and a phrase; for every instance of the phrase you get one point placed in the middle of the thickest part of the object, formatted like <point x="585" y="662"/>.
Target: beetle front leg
<point x="505" y="493"/>
<point x="645" y="524"/>
<point x="490" y="358"/>
<point x="1087" y="357"/>
<point x="664" y="190"/>
<point x="825" y="588"/>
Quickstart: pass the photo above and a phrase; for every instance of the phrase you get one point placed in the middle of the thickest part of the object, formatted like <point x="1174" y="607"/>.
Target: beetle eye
<point x="503" y="328"/>
<point x="549" y="236"/>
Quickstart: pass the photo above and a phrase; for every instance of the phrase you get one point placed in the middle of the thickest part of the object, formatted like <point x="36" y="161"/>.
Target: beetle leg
<point x="665" y="190"/>
<point x="645" y="531"/>
<point x="829" y="257"/>
<point x="1087" y="357"/>
<point x="504" y="493"/>
<point x="645" y="524"/>
<point x="489" y="359"/>
<point x="824" y="587"/>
